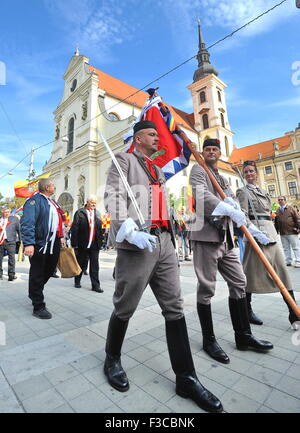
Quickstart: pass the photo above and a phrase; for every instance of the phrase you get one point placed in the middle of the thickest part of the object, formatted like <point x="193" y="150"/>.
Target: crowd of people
<point x="146" y="255"/>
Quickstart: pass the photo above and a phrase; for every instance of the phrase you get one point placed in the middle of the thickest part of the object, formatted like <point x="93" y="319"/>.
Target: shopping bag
<point x="67" y="263"/>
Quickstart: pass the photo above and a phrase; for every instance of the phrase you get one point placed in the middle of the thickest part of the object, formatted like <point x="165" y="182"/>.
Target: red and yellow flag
<point x="26" y="188"/>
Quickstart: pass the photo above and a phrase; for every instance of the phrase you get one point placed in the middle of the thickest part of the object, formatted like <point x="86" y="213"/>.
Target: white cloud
<point x="93" y="24"/>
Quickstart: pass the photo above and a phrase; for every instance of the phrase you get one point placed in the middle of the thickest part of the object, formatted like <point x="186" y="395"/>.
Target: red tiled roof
<point x="120" y="90"/>
<point x="265" y="148"/>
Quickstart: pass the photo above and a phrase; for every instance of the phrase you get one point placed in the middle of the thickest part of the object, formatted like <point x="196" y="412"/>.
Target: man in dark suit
<point x="87" y="238"/>
<point x="9" y="232"/>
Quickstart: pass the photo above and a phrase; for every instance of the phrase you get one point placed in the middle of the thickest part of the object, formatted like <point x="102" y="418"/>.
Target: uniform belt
<point x="158" y="230"/>
<point x="260" y="218"/>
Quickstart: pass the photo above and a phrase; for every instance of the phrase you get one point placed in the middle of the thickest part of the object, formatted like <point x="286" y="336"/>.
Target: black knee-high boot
<point x="252" y="317"/>
<point x="187" y="383"/>
<point x="242" y="331"/>
<point x="112" y="366"/>
<point x="292" y="316"/>
<point x="210" y="345"/>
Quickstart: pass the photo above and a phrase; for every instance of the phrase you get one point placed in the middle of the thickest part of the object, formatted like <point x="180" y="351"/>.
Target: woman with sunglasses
<point x="256" y="204"/>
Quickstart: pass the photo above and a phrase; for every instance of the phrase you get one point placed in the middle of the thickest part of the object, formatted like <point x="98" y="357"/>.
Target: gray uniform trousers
<point x="210" y="257"/>
<point x="136" y="269"/>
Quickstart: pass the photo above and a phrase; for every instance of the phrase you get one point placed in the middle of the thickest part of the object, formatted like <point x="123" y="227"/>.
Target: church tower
<point x="208" y="93"/>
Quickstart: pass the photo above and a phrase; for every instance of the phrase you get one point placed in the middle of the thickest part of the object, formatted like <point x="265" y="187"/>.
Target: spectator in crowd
<point x="42" y="236"/>
<point x="9" y="235"/>
<point x="287" y="224"/>
<point x="87" y="238"/>
<point x="182" y="235"/>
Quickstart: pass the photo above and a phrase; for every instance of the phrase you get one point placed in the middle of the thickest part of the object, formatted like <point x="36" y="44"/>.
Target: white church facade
<point x="94" y="100"/>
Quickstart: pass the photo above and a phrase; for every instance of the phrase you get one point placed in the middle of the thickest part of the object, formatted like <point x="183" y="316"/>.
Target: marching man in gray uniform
<point x="147" y="257"/>
<point x="213" y="250"/>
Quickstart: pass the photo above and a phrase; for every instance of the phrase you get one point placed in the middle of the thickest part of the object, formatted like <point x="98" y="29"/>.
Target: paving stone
<point x="274" y="363"/>
<point x="138" y="401"/>
<point x="158" y="363"/>
<point x="283" y="403"/>
<point x="265" y="409"/>
<point x="92" y="401"/>
<point x="289" y="385"/>
<point x="141" y="374"/>
<point x="65" y="408"/>
<point x="61" y="374"/>
<point x="73" y="387"/>
<point x="234" y="402"/>
<point x="222" y="375"/>
<point x="9" y="402"/>
<point x="44" y="402"/>
<point x="294" y="371"/>
<point x="142" y="354"/>
<point x="31" y="387"/>
<point x="252" y="389"/>
<point x="264" y="375"/>
<point x="160" y="388"/>
<point x="86" y="363"/>
<point x="96" y="376"/>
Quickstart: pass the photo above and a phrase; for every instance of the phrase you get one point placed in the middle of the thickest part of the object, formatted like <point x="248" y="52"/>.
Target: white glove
<point x="232" y="202"/>
<point x="224" y="209"/>
<point x="259" y="235"/>
<point x="130" y="231"/>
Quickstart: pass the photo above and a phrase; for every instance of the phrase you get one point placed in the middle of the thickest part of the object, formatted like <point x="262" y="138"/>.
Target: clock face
<point x="74" y="84"/>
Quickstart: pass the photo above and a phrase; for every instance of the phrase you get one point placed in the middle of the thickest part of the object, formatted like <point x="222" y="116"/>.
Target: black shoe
<point x="289" y="264"/>
<point x="85" y="273"/>
<point x="1" y="277"/>
<point x="248" y="341"/>
<point x="11" y="277"/>
<point x="187" y="259"/>
<point x="190" y="387"/>
<point x="77" y="285"/>
<point x="115" y="373"/>
<point x="43" y="313"/>
<point x="55" y="276"/>
<point x="98" y="290"/>
<point x="213" y="349"/>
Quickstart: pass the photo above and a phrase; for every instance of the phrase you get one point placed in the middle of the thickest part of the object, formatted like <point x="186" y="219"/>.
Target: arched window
<point x="114" y="117"/>
<point x="222" y="120"/>
<point x="202" y="97"/>
<point x="226" y="146"/>
<point x="219" y="96"/>
<point x="205" y="121"/>
<point x="70" y="135"/>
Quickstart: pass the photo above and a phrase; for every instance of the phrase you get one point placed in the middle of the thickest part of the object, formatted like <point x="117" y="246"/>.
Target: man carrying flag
<point x="147" y="257"/>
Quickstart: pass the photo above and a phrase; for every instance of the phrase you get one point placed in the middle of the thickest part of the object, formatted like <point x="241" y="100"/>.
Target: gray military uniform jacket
<point x="117" y="201"/>
<point x="262" y="204"/>
<point x="206" y="199"/>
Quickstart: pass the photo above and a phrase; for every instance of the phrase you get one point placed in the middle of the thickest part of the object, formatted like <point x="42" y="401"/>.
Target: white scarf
<point x="52" y="225"/>
<point x="3" y="224"/>
<point x="91" y="219"/>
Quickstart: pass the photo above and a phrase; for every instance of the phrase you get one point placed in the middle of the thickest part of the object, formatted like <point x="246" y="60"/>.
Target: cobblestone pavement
<point x="57" y="365"/>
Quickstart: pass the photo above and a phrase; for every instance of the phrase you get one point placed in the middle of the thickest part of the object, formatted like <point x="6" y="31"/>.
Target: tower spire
<point x="204" y="65"/>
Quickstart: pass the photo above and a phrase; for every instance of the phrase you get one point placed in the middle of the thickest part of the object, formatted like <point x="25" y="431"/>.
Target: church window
<point x="205" y="121"/>
<point x="219" y="96"/>
<point x="70" y="135"/>
<point x="202" y="97"/>
<point x="113" y="116"/>
<point x="222" y="120"/>
<point x="226" y="146"/>
<point x="74" y="85"/>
